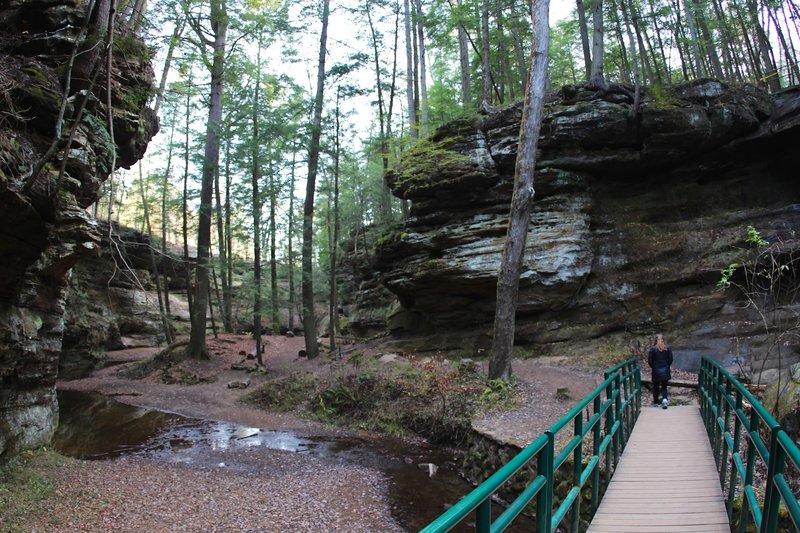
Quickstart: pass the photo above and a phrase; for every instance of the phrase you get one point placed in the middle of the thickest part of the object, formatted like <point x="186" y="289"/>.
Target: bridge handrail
<point x="621" y="407"/>
<point x="722" y="396"/>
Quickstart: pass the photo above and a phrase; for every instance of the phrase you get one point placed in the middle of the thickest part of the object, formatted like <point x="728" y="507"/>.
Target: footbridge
<point x="610" y="465"/>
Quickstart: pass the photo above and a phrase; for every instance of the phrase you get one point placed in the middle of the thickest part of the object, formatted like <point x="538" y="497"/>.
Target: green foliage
<point x="498" y="393"/>
<point x="390" y="237"/>
<point x="24" y="486"/>
<point x="283" y="394"/>
<point x="725" y="276"/>
<point x="433" y="398"/>
<point x="754" y="237"/>
<point x="564" y="49"/>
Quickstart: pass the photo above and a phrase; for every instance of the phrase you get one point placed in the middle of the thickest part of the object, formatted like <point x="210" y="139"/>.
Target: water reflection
<point x="96" y="427"/>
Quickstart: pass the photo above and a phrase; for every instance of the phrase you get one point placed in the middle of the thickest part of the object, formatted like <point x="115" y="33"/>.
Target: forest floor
<point x="285" y="491"/>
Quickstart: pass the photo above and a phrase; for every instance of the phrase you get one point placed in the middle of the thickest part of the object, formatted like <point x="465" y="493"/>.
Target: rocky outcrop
<point x="633" y="219"/>
<point x="370" y="303"/>
<point x="112" y="302"/>
<point x="44" y="228"/>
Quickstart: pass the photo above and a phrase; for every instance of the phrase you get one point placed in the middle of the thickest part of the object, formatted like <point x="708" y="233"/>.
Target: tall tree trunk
<point x="637" y="98"/>
<point x="640" y="41"/>
<point x="273" y="259"/>
<point x="173" y="42"/>
<point x="197" y="338"/>
<point x="708" y="41"/>
<point x="221" y="251"/>
<point x="664" y="64"/>
<point x="410" y="68"/>
<point x="290" y="258"/>
<point x="698" y="58"/>
<point x="137" y="16"/>
<point x="165" y="325"/>
<point x="185" y="204"/>
<point x="256" y="182"/>
<point x="463" y="57"/>
<point x="227" y="290"/>
<point x="334" y="304"/>
<point x="519" y="50"/>
<point x="309" y="318"/>
<point x="730" y="63"/>
<point x="788" y="47"/>
<point x="597" y="78"/>
<point x="423" y="71"/>
<point x="86" y="61"/>
<point x="755" y="64"/>
<point x="764" y="48"/>
<point x="486" y="92"/>
<point x="502" y="56"/>
<point x="386" y="206"/>
<point x="164" y="214"/>
<point x="625" y="67"/>
<point x="679" y="39"/>
<point x="587" y="56"/>
<point x="520" y="213"/>
<point x="390" y="113"/>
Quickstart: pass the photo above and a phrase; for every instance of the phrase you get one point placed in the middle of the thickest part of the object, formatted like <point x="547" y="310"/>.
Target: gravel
<point x="280" y="491"/>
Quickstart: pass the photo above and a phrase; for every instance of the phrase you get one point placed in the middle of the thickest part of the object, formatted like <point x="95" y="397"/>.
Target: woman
<point x="660" y="359"/>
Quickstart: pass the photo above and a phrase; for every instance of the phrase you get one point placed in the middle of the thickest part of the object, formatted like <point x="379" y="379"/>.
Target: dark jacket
<point x="660" y="362"/>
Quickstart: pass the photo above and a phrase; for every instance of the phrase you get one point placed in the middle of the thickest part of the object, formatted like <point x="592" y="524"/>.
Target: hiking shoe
<point x="664" y="403"/>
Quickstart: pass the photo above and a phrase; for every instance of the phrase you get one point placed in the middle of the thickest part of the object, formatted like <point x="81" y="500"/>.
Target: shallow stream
<point x="97" y="427"/>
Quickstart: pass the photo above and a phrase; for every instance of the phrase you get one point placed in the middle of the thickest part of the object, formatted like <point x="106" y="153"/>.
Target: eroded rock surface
<point x="633" y="219"/>
<point x="43" y="226"/>
<point x="112" y="302"/>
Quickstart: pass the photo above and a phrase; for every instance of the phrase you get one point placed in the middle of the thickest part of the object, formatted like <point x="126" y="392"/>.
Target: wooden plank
<point x="621" y="528"/>
<point x="666" y="480"/>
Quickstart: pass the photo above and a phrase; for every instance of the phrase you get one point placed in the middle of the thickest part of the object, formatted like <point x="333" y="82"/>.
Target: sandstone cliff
<point x="43" y="226"/>
<point x="112" y="303"/>
<point x="633" y="219"/>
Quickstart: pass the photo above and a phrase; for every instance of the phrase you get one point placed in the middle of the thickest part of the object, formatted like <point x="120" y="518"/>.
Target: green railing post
<point x="483" y="517"/>
<point x="577" y="470"/>
<point x="544" y="500"/>
<point x="749" y="469"/>
<point x="596" y="453"/>
<point x="723" y="471"/>
<point x="737" y="430"/>
<point x="638" y="391"/>
<point x="610" y="432"/>
<point x="772" y="497"/>
<point x="620" y="441"/>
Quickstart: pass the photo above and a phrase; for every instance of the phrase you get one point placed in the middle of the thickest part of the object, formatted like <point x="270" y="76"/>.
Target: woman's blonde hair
<point x="660" y="343"/>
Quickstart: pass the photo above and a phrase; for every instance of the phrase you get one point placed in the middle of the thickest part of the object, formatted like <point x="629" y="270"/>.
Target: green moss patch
<point x="24" y="486"/>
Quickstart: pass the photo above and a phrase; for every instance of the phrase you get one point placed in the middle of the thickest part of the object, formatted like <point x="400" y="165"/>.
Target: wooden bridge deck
<point x="666" y="479"/>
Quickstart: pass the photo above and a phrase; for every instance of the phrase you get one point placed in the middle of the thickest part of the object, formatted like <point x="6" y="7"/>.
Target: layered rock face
<point x="632" y="221"/>
<point x="112" y="302"/>
<point x="43" y="226"/>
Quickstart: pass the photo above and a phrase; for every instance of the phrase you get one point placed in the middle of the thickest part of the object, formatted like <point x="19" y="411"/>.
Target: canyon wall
<point x="44" y="228"/>
<point x="633" y="219"/>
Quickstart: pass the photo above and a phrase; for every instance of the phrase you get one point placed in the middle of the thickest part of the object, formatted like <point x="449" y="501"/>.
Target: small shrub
<point x="283" y="394"/>
<point x="498" y="393"/>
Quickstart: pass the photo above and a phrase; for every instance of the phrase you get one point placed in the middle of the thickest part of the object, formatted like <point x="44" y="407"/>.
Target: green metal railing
<point x="610" y="423"/>
<point x="723" y="405"/>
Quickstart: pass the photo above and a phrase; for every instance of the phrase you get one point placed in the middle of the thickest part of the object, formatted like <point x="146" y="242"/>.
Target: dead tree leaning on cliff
<point x="520" y="215"/>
